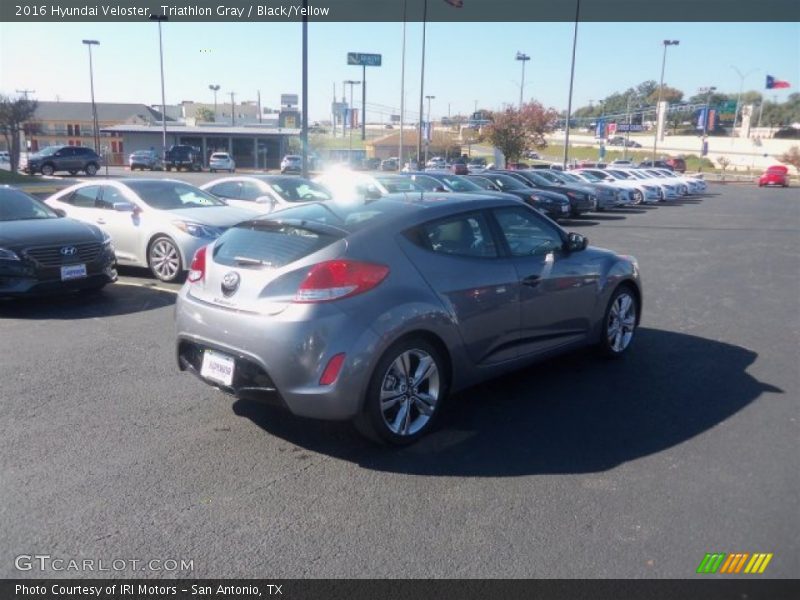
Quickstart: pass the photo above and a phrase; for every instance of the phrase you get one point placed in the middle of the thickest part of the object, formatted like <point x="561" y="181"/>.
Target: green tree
<point x="205" y="114"/>
<point x="13" y="117"/>
<point x="515" y="130"/>
<point x="791" y="157"/>
<point x="668" y="94"/>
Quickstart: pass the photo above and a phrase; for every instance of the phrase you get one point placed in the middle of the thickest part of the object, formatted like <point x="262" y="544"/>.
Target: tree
<point x="13" y="115"/>
<point x="791" y="157"/>
<point x="668" y="94"/>
<point x="515" y="130"/>
<point x="205" y="114"/>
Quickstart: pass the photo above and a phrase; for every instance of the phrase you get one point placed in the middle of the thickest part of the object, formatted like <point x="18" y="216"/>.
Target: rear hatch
<point x="258" y="265"/>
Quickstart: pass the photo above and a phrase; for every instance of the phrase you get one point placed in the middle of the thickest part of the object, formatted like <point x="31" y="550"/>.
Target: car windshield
<point x="620" y="174"/>
<point x="550" y="177"/>
<point x="537" y="178"/>
<point x="458" y="183"/>
<point x="298" y="189"/>
<point x="18" y="206"/>
<point x="589" y="176"/>
<point x="349" y="216"/>
<point x="398" y="184"/>
<point x="568" y="177"/>
<point x="220" y="156"/>
<point x="49" y="151"/>
<point x="172" y="195"/>
<point x="506" y="182"/>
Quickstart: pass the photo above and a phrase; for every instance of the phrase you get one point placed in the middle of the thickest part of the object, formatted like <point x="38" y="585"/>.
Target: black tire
<point x="91" y="169"/>
<point x="372" y="423"/>
<point x="155" y="251"/>
<point x="169" y="168"/>
<point x="48" y="169"/>
<point x="607" y="346"/>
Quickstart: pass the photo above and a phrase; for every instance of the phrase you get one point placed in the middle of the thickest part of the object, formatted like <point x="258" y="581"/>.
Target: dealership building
<point x="250" y="146"/>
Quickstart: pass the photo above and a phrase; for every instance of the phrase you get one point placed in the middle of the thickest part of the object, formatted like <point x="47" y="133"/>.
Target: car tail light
<point x="198" y="269"/>
<point x="331" y="372"/>
<point x="335" y="279"/>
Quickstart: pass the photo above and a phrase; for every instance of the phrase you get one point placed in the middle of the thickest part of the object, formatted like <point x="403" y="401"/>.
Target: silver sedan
<point x="376" y="310"/>
<point x="154" y="223"/>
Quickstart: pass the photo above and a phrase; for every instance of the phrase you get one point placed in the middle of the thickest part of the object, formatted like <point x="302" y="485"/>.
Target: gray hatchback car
<point x="377" y="310"/>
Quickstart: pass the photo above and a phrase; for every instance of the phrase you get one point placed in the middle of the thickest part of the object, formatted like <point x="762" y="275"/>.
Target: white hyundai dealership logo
<point x="69" y="251"/>
<point x="230" y="283"/>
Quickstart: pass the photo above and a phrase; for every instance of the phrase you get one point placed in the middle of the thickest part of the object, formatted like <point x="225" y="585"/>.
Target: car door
<point x="459" y="258"/>
<point x="557" y="289"/>
<point x="124" y="227"/>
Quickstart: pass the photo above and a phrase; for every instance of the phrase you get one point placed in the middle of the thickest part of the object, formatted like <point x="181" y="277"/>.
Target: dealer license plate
<point x="73" y="272"/>
<point x="217" y="367"/>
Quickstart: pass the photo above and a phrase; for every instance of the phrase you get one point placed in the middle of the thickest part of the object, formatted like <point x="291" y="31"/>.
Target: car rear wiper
<point x="244" y="260"/>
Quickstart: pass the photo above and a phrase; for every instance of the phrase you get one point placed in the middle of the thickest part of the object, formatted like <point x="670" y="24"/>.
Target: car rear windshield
<point x="270" y="243"/>
<point x="172" y="195"/>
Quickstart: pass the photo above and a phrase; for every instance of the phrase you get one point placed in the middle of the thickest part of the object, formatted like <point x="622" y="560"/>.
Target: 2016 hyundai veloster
<point x="376" y="310"/>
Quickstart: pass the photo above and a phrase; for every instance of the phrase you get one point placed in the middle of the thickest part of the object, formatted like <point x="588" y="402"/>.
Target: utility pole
<point x="304" y="84"/>
<point x="351" y="83"/>
<point x="258" y="92"/>
<point x="402" y="88"/>
<point x="430" y="128"/>
<point x="26" y="92"/>
<point x="742" y="77"/>
<point x="571" y="82"/>
<point x="233" y="109"/>
<point x="422" y="81"/>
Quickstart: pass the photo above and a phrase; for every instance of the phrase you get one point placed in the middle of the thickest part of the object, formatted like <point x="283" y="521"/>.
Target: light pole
<point x="402" y="87"/>
<point x="571" y="81"/>
<point x="351" y="83"/>
<point x="304" y="83"/>
<point x="422" y="81"/>
<point x="628" y="132"/>
<point x="233" y="109"/>
<point x="707" y="91"/>
<point x="214" y="88"/>
<point x="739" y="96"/>
<point x="523" y="58"/>
<point x="159" y="19"/>
<point x="430" y="127"/>
<point x="89" y="44"/>
<point x="667" y="44"/>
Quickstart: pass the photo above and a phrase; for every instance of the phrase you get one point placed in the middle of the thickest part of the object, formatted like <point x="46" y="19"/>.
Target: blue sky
<point x="465" y="61"/>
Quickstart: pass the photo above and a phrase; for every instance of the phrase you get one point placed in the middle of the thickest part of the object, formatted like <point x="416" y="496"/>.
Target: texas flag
<point x="774" y="84"/>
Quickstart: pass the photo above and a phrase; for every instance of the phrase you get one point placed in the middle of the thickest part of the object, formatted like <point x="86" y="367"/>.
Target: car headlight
<point x="197" y="229"/>
<point x="6" y="254"/>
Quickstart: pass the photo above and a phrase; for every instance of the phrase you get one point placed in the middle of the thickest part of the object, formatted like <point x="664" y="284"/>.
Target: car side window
<point x="84" y="197"/>
<point x="226" y="189"/>
<point x="463" y="235"/>
<point x="250" y="191"/>
<point x="110" y="196"/>
<point x="526" y="233"/>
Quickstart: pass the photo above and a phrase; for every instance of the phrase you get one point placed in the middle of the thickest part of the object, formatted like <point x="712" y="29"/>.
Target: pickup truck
<point x="183" y="157"/>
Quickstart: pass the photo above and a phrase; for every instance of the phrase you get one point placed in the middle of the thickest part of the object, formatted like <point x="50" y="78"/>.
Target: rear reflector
<point x="335" y="279"/>
<point x="198" y="269"/>
<point x="331" y="372"/>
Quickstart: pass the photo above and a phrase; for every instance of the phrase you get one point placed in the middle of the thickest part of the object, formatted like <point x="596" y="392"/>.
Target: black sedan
<point x="581" y="198"/>
<point x="553" y="204"/>
<point x="41" y="251"/>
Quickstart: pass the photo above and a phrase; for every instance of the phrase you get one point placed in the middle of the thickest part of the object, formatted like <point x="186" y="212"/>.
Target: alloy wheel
<point x="621" y="322"/>
<point x="409" y="392"/>
<point x="165" y="261"/>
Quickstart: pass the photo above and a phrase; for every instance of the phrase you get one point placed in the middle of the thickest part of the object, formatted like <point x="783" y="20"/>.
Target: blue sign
<point x="365" y="60"/>
<point x="600" y="132"/>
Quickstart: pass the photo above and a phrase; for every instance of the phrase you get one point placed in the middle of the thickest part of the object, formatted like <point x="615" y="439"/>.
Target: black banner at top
<point x="393" y="10"/>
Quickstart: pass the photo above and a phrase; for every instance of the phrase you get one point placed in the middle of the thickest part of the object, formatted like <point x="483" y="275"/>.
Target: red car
<point x="778" y="175"/>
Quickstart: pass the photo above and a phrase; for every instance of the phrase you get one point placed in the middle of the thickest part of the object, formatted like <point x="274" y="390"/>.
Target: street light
<point x="571" y="81"/>
<point x="214" y="88"/>
<point x="89" y="44"/>
<point x="666" y="43"/>
<point x="628" y="132"/>
<point x="739" y="97"/>
<point x="707" y="91"/>
<point x="430" y="128"/>
<point x="351" y="83"/>
<point x="159" y="19"/>
<point x="523" y="58"/>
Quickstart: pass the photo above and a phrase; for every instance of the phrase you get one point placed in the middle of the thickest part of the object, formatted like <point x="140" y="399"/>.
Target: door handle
<point x="101" y="221"/>
<point x="531" y="280"/>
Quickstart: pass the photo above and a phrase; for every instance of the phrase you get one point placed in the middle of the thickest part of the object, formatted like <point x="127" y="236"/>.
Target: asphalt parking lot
<point x="577" y="467"/>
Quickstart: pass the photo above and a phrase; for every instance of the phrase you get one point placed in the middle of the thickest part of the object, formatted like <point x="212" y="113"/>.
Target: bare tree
<point x="13" y="116"/>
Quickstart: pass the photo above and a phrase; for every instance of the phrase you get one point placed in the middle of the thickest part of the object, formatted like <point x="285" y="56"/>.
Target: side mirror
<point x="124" y="207"/>
<point x="60" y="212"/>
<point x="576" y="242"/>
<point x="439" y="188"/>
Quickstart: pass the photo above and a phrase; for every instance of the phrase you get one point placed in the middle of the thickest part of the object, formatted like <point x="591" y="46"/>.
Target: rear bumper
<point x="280" y="359"/>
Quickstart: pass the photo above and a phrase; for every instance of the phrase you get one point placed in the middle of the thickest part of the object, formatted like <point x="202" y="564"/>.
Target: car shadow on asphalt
<point x="113" y="300"/>
<point x="574" y="414"/>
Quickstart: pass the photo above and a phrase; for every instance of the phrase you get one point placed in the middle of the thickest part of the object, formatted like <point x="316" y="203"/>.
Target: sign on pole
<point x="363" y="60"/>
